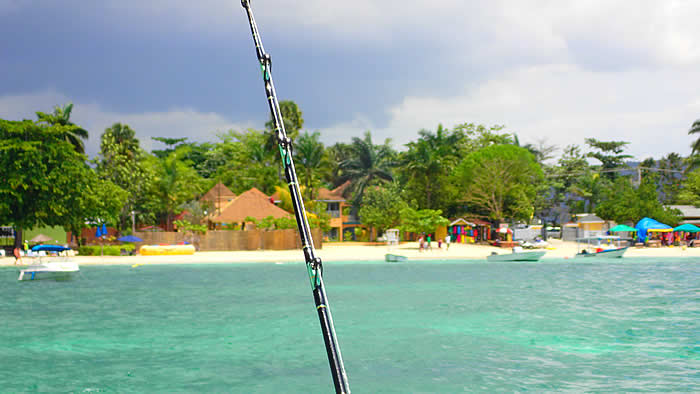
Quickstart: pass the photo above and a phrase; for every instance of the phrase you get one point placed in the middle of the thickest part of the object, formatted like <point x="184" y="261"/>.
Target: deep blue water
<point x="418" y="327"/>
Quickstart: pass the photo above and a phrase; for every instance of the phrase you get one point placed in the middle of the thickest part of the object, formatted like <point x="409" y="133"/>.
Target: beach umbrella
<point x="104" y="229"/>
<point x="622" y="228"/>
<point x="98" y="232"/>
<point x="688" y="228"/>
<point x="40" y="238"/>
<point x="129" y="238"/>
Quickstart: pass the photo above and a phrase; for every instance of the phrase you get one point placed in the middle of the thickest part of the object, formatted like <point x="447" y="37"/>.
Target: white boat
<point x="517" y="255"/>
<point x="47" y="267"/>
<point x="603" y="246"/>
<point x="394" y="258"/>
<point x="57" y="270"/>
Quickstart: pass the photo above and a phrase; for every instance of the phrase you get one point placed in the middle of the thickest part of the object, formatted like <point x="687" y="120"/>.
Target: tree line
<point x="466" y="170"/>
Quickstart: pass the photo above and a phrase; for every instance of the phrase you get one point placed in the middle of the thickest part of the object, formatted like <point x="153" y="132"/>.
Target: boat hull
<point x="519" y="256"/>
<point x="54" y="271"/>
<point x="394" y="258"/>
<point x="607" y="254"/>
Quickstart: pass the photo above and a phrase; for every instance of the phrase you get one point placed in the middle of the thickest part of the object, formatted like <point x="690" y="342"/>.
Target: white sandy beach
<point x="356" y="252"/>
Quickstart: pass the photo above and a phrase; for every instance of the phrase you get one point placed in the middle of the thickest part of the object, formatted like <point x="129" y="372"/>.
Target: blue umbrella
<point x="104" y="229"/>
<point x="98" y="233"/>
<point x="129" y="238"/>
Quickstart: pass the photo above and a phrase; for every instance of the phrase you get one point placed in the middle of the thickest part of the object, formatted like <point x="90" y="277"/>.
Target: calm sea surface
<point x="420" y="327"/>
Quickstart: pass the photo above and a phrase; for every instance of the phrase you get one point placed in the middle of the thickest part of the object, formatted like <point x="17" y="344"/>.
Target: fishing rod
<point x="314" y="266"/>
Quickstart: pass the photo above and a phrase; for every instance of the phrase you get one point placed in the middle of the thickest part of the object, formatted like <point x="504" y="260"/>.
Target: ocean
<point x="419" y="327"/>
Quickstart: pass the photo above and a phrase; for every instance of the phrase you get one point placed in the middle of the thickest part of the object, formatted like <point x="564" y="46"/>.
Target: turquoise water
<point x="628" y="325"/>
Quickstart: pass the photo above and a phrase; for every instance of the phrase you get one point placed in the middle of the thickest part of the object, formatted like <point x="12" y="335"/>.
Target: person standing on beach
<point x="447" y="242"/>
<point x="428" y="246"/>
<point x="18" y="256"/>
<point x="420" y="244"/>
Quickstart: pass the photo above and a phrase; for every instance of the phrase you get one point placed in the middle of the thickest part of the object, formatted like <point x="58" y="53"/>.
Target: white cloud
<point x="563" y="104"/>
<point x="179" y="122"/>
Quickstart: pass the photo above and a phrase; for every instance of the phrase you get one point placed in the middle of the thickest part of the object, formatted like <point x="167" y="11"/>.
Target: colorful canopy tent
<point x="621" y="228"/>
<point x="650" y="225"/>
<point x="688" y="228"/>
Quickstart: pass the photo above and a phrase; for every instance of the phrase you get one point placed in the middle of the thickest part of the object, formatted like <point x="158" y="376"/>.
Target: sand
<point x="356" y="252"/>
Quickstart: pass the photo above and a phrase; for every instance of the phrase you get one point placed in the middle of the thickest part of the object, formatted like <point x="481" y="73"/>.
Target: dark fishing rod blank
<point x="314" y="265"/>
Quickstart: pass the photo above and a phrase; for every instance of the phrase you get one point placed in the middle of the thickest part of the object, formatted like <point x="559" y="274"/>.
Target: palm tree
<point x="61" y="117"/>
<point x="695" y="129"/>
<point x="430" y="158"/>
<point x="311" y="157"/>
<point x="368" y="165"/>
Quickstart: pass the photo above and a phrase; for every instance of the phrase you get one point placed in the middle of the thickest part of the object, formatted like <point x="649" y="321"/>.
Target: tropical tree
<point x="690" y="190"/>
<point x="609" y="154"/>
<point x="310" y="161"/>
<point x="174" y="184"/>
<point x="61" y="117"/>
<point x="695" y="129"/>
<point x="170" y="143"/>
<point x="500" y="180"/>
<point x="369" y="165"/>
<point x="46" y="181"/>
<point x="427" y="165"/>
<point x="122" y="162"/>
<point x="293" y="122"/>
<point x="624" y="203"/>
<point x="671" y="171"/>
<point x="382" y="206"/>
<point x="242" y="162"/>
<point x="421" y="220"/>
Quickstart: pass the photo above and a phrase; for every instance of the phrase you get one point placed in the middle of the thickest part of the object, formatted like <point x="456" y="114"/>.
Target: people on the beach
<point x="18" y="256"/>
<point x="420" y="244"/>
<point x="448" y="239"/>
<point x="428" y="241"/>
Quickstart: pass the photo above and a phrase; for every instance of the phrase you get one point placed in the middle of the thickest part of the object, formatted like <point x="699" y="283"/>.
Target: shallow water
<point x="627" y="325"/>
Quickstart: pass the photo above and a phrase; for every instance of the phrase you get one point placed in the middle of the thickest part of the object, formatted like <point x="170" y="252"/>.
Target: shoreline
<point x="354" y="252"/>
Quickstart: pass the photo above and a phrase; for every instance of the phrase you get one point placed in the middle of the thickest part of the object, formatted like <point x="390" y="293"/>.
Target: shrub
<point x="109" y="250"/>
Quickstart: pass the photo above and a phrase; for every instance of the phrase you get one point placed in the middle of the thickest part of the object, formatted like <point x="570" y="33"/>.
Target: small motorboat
<point x="48" y="268"/>
<point x="394" y="258"/>
<point x="57" y="270"/>
<point x="601" y="246"/>
<point x="517" y="255"/>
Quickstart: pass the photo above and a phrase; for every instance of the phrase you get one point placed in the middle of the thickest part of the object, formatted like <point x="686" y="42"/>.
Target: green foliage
<point x="368" y="165"/>
<point x="624" y="203"/>
<point x="427" y="165"/>
<point x="109" y="250"/>
<point x="186" y="226"/>
<point x="171" y="144"/>
<point x="421" y="220"/>
<point x="61" y="117"/>
<point x="695" y="129"/>
<point x="286" y="223"/>
<point x="243" y="162"/>
<point x="690" y="192"/>
<point x="175" y="182"/>
<point x="293" y="122"/>
<point x="500" y="180"/>
<point x="46" y="181"/>
<point x="382" y="207"/>
<point x="311" y="162"/>
<point x="122" y="162"/>
<point x="609" y="154"/>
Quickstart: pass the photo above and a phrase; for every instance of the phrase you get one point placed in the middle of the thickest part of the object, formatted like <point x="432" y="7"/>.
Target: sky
<point x="550" y="71"/>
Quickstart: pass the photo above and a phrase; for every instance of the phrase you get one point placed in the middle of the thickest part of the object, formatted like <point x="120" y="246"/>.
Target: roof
<point x="461" y="222"/>
<point x="591" y="218"/>
<point x="687" y="211"/>
<point x="336" y="194"/>
<point x="479" y="222"/>
<point x="218" y="193"/>
<point x="253" y="203"/>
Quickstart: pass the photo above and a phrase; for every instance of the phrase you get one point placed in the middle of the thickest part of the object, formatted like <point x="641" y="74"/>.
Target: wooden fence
<point x="233" y="240"/>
